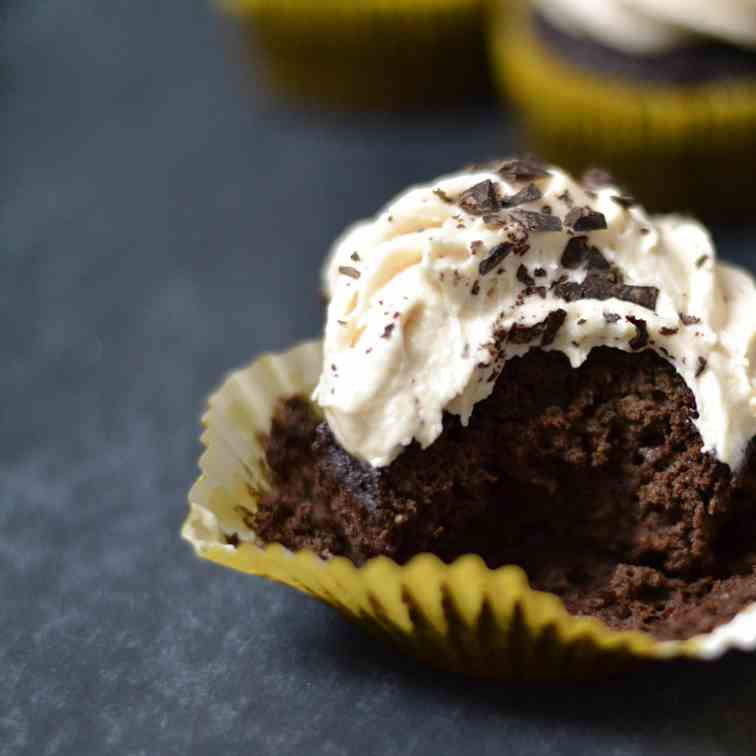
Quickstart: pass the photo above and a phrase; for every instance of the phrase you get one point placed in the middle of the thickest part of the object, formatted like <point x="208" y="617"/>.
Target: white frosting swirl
<point x="412" y="320"/>
<point x="645" y="27"/>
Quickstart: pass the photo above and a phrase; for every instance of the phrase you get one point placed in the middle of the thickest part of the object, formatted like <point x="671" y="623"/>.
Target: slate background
<point x="161" y="221"/>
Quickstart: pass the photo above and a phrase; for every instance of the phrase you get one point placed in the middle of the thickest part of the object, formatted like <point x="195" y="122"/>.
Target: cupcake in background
<point x="661" y="92"/>
<point x="372" y="53"/>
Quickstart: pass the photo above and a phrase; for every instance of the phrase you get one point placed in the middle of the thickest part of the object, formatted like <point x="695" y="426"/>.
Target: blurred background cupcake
<point x="661" y="92"/>
<point x="371" y="53"/>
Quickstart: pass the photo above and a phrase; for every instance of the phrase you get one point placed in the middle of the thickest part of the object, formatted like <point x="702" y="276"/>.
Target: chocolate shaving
<point x="475" y="290"/>
<point x="232" y="539"/>
<point x="442" y="195"/>
<point x="539" y="272"/>
<point x="624" y="200"/>
<point x="348" y="270"/>
<point x="354" y="256"/>
<point x="605" y="285"/>
<point x="546" y="330"/>
<point x="641" y="333"/>
<point x="585" y="219"/>
<point x="522" y="169"/>
<point x="480" y="198"/>
<point x="387" y="331"/>
<point x="524" y="277"/>
<point x="611" y="317"/>
<point x="701" y="260"/>
<point x="535" y="222"/>
<point x="597" y="178"/>
<point x="666" y="331"/>
<point x="496" y="256"/>
<point x="575" y="252"/>
<point x="530" y="193"/>
<point x="688" y="319"/>
<point x="701" y="366"/>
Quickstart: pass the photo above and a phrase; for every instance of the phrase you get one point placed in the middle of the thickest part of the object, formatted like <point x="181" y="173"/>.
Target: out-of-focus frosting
<point x="431" y="297"/>
<point x="645" y="27"/>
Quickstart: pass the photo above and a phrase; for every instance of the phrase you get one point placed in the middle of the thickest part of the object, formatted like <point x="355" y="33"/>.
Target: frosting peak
<point x="431" y="297"/>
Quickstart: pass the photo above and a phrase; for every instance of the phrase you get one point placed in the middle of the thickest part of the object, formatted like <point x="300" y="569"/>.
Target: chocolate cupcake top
<point x="648" y="27"/>
<point x="431" y="297"/>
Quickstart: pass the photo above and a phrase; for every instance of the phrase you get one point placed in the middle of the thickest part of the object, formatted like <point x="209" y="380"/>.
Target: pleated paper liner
<point x="461" y="616"/>
<point x="678" y="148"/>
<point x="372" y="53"/>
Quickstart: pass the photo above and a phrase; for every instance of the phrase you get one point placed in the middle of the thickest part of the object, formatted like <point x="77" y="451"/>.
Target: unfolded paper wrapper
<point x="462" y="616"/>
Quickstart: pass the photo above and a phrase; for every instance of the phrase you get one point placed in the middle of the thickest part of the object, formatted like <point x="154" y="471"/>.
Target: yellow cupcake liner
<point x="678" y="148"/>
<point x="371" y="53"/>
<point x="462" y="616"/>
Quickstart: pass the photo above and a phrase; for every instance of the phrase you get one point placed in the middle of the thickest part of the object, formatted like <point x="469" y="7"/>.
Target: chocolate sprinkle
<point x="530" y="193"/>
<point x="611" y="317"/>
<point x="641" y="336"/>
<point x="480" y="198"/>
<point x="496" y="255"/>
<point x="688" y="319"/>
<point x="535" y="221"/>
<point x="546" y="330"/>
<point x="524" y="277"/>
<point x="387" y="331"/>
<point x="585" y="219"/>
<point x="701" y="366"/>
<point x="348" y="270"/>
<point x="666" y="331"/>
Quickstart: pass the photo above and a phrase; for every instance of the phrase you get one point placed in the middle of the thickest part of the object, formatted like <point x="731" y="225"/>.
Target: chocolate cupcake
<point x="370" y="54"/>
<point x="649" y="90"/>
<point x="518" y="369"/>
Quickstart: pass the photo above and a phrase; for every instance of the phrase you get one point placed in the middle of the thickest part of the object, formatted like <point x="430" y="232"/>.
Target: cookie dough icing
<point x="646" y="27"/>
<point x="431" y="297"/>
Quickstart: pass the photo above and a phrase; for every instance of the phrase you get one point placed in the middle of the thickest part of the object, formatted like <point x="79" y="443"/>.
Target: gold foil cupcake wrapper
<point x="462" y="616"/>
<point x="700" y="138"/>
<point x="371" y="53"/>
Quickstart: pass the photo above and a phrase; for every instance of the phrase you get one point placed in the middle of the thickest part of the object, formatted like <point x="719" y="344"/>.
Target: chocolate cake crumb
<point x="640" y="339"/>
<point x="348" y="270"/>
<point x="495" y="257"/>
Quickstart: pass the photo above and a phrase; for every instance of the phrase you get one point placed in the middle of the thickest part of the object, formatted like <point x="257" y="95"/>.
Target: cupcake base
<point x="461" y="616"/>
<point x="687" y="147"/>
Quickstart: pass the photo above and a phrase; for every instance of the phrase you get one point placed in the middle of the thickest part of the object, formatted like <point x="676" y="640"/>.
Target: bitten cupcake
<point x="372" y="53"/>
<point x="661" y="93"/>
<point x="523" y="369"/>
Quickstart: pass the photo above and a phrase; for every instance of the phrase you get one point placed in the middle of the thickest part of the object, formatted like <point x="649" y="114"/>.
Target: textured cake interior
<point x="591" y="479"/>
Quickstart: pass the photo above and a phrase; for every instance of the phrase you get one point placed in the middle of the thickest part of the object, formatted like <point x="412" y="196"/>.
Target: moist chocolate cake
<point x="530" y="368"/>
<point x="591" y="479"/>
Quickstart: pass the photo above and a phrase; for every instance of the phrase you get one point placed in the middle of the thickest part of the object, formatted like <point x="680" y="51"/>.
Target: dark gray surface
<point x="147" y="246"/>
